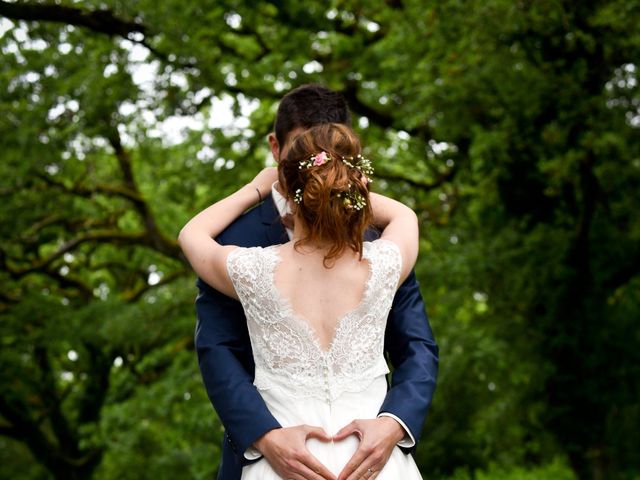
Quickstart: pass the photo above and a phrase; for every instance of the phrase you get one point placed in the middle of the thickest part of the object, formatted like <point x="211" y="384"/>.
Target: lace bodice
<point x="287" y="351"/>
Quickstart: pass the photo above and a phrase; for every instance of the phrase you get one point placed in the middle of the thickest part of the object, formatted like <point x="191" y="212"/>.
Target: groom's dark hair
<point x="309" y="105"/>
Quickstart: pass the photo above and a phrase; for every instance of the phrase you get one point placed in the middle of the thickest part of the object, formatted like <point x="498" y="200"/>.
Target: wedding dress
<point x="301" y="382"/>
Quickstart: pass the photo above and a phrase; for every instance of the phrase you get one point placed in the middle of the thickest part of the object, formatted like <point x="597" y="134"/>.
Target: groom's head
<point x="302" y="108"/>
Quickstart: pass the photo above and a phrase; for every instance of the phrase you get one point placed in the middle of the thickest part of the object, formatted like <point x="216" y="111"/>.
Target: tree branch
<point x="421" y="184"/>
<point x="10" y="431"/>
<point x="378" y="117"/>
<point x="102" y="21"/>
<point x="628" y="270"/>
<point x="87" y="192"/>
<point x="65" y="435"/>
<point x="105" y="236"/>
<point x="27" y="431"/>
<point x="133" y="296"/>
<point x="350" y="94"/>
<point x="153" y="236"/>
<point x="96" y="387"/>
<point x="67" y="281"/>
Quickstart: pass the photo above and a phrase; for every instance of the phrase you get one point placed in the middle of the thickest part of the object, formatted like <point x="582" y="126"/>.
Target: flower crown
<point x="350" y="199"/>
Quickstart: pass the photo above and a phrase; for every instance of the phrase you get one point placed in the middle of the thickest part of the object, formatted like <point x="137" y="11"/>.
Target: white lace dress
<point x="303" y="384"/>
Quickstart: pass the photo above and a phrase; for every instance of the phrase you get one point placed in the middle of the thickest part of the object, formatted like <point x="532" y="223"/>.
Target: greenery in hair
<point x="351" y="199"/>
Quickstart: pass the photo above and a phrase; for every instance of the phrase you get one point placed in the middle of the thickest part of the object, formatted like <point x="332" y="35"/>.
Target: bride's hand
<point x="378" y="437"/>
<point x="286" y="451"/>
<point x="264" y="180"/>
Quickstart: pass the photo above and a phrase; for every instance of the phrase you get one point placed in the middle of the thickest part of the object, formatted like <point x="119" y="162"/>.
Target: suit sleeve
<point x="413" y="353"/>
<point x="224" y="353"/>
<point x="226" y="363"/>
<point x="223" y="347"/>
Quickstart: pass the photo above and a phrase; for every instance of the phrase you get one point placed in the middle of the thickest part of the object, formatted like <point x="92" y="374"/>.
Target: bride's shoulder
<point x="386" y="253"/>
<point x="243" y="256"/>
<point x="249" y="266"/>
<point x="239" y="252"/>
<point x="249" y="255"/>
<point x="383" y="245"/>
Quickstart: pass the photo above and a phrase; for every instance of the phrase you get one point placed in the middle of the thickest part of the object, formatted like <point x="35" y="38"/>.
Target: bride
<point x="316" y="306"/>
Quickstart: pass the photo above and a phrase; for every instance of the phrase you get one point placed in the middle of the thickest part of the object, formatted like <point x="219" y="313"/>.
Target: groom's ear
<point x="275" y="146"/>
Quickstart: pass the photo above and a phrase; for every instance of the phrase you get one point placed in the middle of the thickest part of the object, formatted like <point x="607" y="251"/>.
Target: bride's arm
<point x="400" y="225"/>
<point x="196" y="239"/>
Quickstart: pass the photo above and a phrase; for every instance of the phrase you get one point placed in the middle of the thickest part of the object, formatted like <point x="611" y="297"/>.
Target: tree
<point x="510" y="127"/>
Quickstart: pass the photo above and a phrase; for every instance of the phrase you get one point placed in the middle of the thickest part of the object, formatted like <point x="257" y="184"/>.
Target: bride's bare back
<point x="320" y="295"/>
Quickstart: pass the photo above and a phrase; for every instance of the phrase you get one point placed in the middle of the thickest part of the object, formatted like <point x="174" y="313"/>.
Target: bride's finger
<point x="319" y="433"/>
<point x="347" y="430"/>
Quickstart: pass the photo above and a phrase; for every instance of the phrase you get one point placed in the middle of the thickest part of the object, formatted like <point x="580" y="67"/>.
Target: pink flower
<point x="320" y="159"/>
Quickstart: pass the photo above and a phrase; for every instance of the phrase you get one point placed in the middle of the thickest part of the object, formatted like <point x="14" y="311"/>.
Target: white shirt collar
<point x="282" y="205"/>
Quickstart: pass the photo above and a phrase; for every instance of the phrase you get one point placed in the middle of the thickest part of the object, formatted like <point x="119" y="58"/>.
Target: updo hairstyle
<point x="328" y="216"/>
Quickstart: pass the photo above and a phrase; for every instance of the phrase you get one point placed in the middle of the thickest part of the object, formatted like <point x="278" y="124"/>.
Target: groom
<point x="224" y="350"/>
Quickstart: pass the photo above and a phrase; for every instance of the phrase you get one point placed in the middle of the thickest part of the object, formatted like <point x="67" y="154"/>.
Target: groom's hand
<point x="377" y="437"/>
<point x="286" y="451"/>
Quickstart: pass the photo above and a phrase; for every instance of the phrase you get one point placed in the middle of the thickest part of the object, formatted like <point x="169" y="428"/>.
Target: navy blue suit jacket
<point x="226" y="361"/>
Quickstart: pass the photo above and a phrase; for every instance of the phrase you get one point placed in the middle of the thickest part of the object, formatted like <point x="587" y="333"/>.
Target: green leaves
<point x="511" y="129"/>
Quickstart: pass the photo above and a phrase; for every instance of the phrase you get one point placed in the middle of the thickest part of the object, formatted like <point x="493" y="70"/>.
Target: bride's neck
<point x="318" y="251"/>
<point x="315" y="248"/>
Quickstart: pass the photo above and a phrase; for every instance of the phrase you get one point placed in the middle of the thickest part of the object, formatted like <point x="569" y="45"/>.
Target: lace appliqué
<point x="286" y="349"/>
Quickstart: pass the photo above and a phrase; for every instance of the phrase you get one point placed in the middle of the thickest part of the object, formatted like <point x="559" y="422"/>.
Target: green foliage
<point x="164" y="431"/>
<point x="511" y="128"/>
<point x="555" y="470"/>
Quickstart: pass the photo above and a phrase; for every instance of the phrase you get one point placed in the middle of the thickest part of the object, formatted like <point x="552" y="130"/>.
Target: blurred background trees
<point x="512" y="129"/>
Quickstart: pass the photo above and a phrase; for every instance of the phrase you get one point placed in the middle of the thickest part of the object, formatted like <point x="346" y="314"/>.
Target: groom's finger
<point x="354" y="465"/>
<point x="314" y="469"/>
<point x="309" y="461"/>
<point x="312" y="474"/>
<point x="364" y="472"/>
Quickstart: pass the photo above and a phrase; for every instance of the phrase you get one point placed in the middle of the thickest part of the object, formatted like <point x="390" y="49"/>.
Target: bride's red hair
<point x="325" y="218"/>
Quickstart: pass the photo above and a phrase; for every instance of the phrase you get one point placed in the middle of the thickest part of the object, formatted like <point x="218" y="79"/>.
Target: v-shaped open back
<point x="287" y="350"/>
<point x="288" y="309"/>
